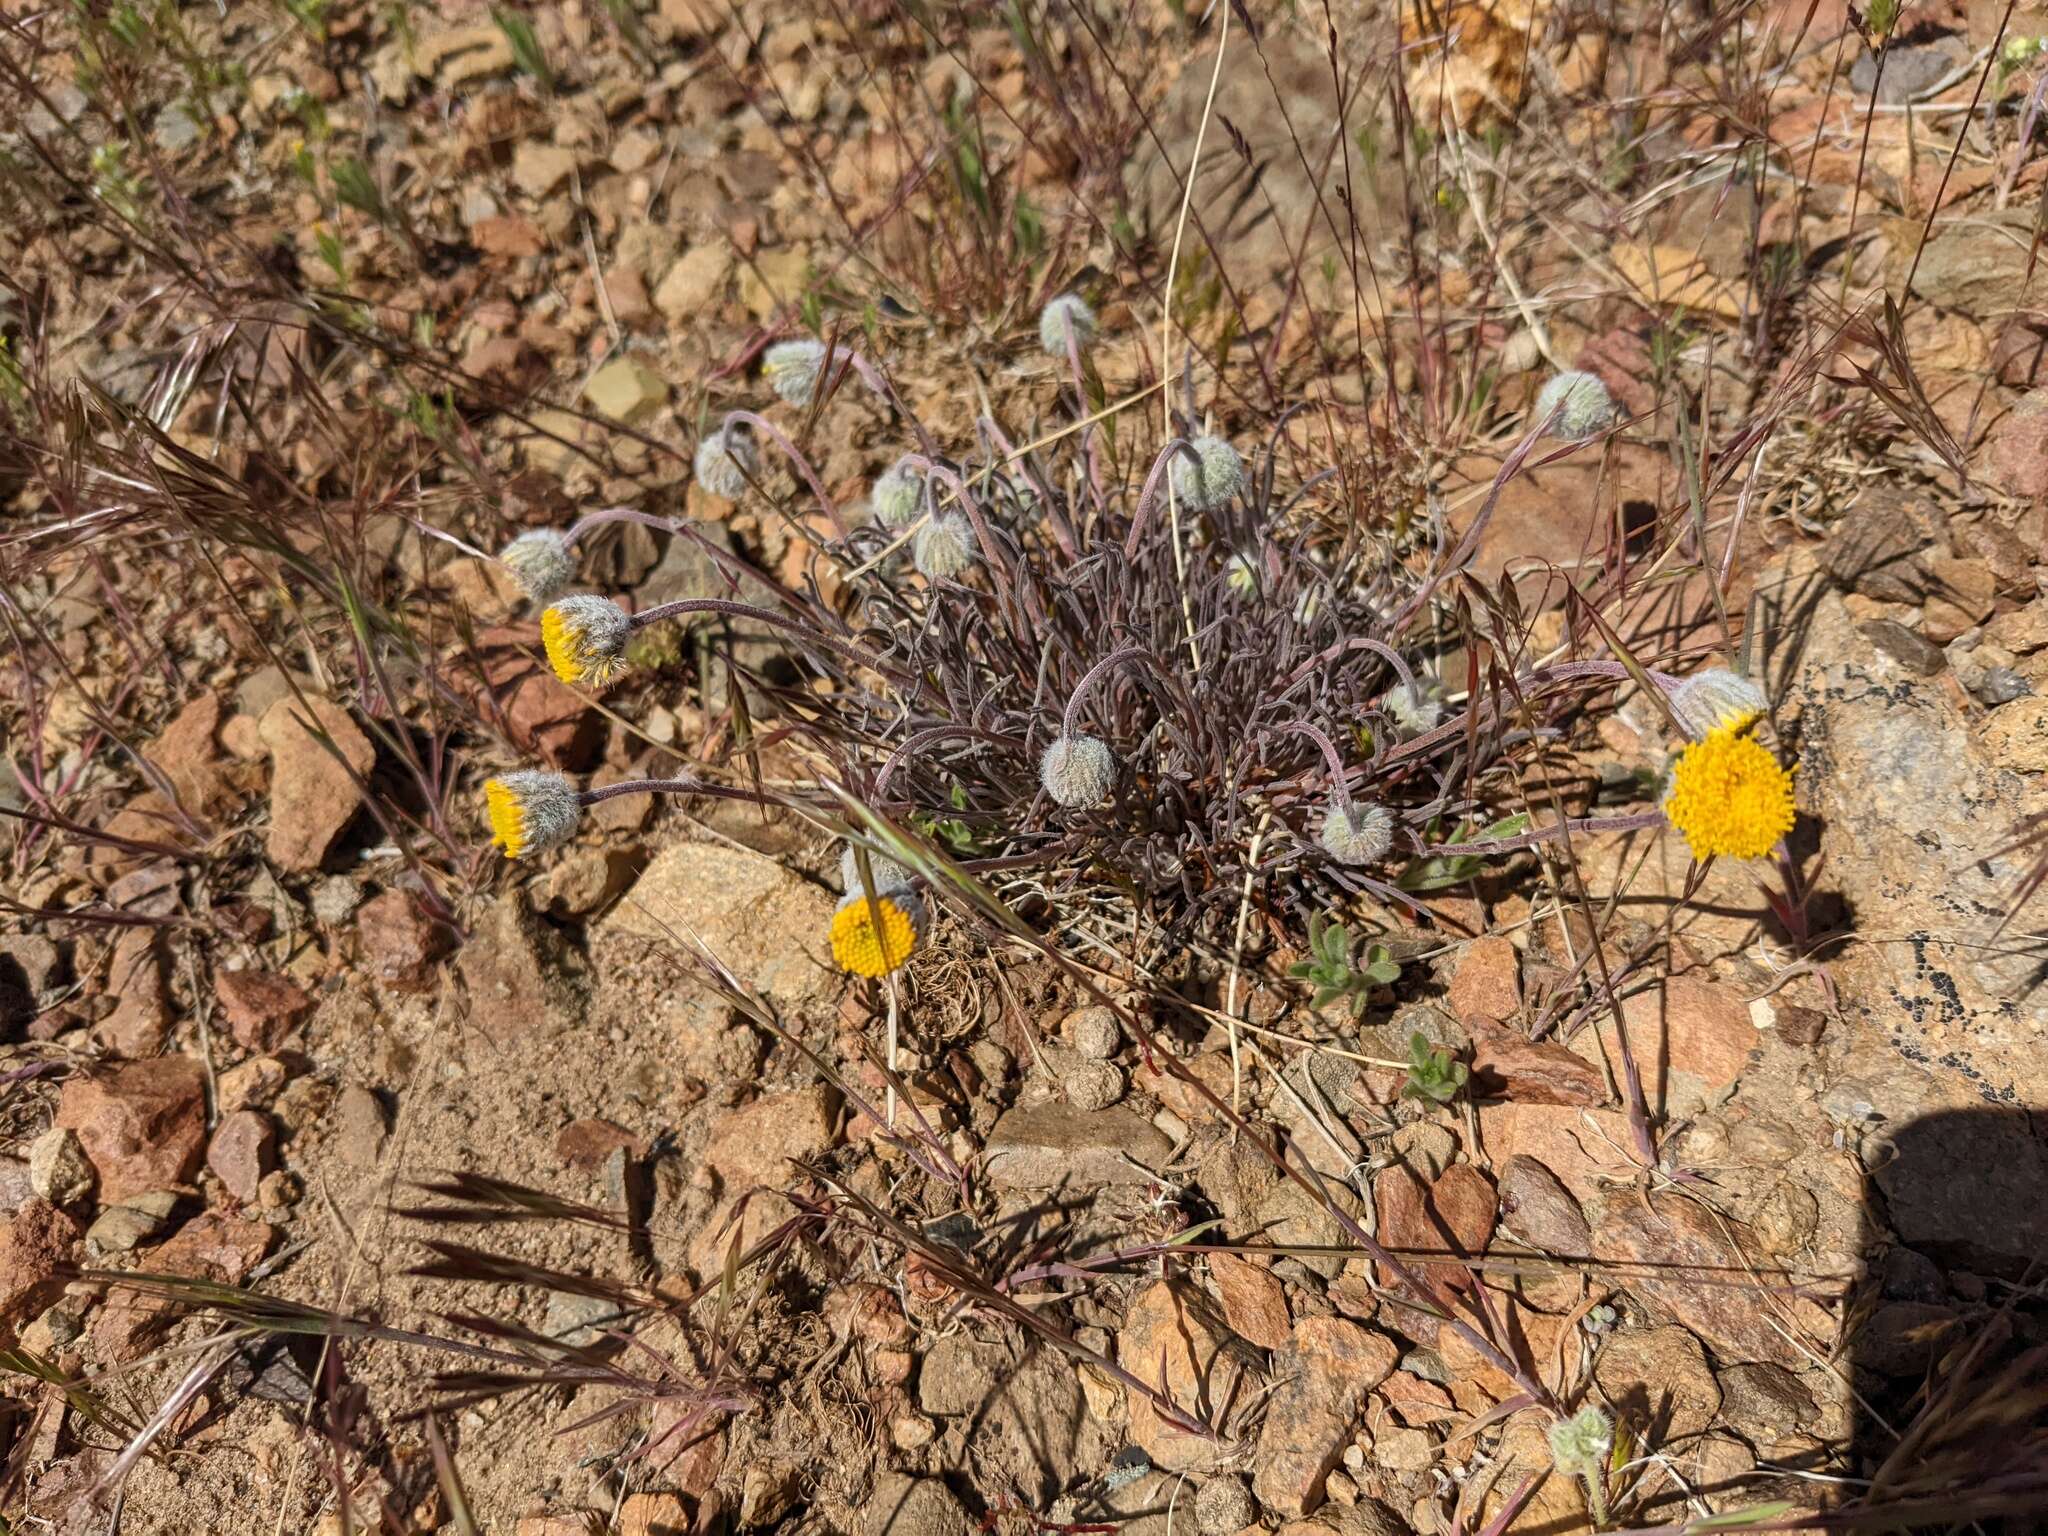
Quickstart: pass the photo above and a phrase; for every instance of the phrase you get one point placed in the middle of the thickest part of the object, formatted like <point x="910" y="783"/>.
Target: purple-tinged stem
<point x="1635" y="821"/>
<point x="1088" y="453"/>
<point x="1053" y="515"/>
<point x="1088" y="681"/>
<point x="924" y="739"/>
<point x="1150" y="491"/>
<point x="879" y="385"/>
<point x="775" y="435"/>
<point x="604" y="515"/>
<point x="1339" y="790"/>
<point x="931" y="468"/>
<point x="685" y="605"/>
<point x="588" y="797"/>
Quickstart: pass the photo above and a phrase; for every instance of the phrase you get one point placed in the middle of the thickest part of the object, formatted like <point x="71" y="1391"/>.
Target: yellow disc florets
<point x="867" y="948"/>
<point x="1728" y="794"/>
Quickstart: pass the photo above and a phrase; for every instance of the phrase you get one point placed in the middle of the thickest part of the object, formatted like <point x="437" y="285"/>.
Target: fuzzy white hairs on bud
<point x="887" y="874"/>
<point x="1360" y="834"/>
<point x="943" y="548"/>
<point x="725" y="459"/>
<point x="1211" y="479"/>
<point x="1716" y="697"/>
<point x="898" y="495"/>
<point x="1412" y="709"/>
<point x="1078" y="771"/>
<point x="532" y="811"/>
<point x="1583" y="406"/>
<point x="792" y="369"/>
<point x="542" y="562"/>
<point x="1067" y="315"/>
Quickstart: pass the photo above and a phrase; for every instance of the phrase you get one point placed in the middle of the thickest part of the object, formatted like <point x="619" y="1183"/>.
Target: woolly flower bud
<point x="1067" y="315"/>
<point x="724" y="460"/>
<point x="1580" y="1444"/>
<point x="541" y="562"/>
<point x="585" y="638"/>
<point x="1714" y="698"/>
<point x="531" y="811"/>
<point x="1362" y="835"/>
<point x="943" y="548"/>
<point x="873" y="938"/>
<point x="1078" y="771"/>
<point x="1211" y="483"/>
<point x="1412" y="710"/>
<point x="898" y="494"/>
<point x="887" y="874"/>
<point x="1584" y="408"/>
<point x="792" y="368"/>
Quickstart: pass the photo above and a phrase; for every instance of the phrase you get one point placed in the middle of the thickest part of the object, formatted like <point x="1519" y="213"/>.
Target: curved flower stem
<point x="685" y="605"/>
<point x="1339" y="790"/>
<point x="1150" y="491"/>
<point x="924" y="739"/>
<point x="1055" y="517"/>
<point x="1088" y="681"/>
<point x="1635" y="821"/>
<point x="604" y="515"/>
<point x="879" y="385"/>
<point x="775" y="435"/>
<point x="1088" y="444"/>
<point x="588" y="797"/>
<point x="932" y="469"/>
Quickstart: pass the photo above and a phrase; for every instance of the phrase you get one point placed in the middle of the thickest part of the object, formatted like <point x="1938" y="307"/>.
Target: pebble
<point x="58" y="1170"/>
<point x="1092" y="1084"/>
<point x="241" y="1153"/>
<point x="142" y="1125"/>
<point x="124" y="1227"/>
<point x="1224" y="1506"/>
<point x="1092" y="1032"/>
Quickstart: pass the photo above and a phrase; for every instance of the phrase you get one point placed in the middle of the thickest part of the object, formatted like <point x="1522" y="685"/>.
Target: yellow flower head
<point x="531" y="812"/>
<point x="867" y="949"/>
<point x="586" y="639"/>
<point x="1729" y="795"/>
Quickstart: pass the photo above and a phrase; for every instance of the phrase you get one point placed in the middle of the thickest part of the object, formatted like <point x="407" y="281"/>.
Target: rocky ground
<point x="330" y="1136"/>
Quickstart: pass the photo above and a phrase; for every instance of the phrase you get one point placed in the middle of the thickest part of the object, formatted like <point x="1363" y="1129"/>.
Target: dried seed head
<point x="873" y="938"/>
<point x="887" y="874"/>
<point x="1362" y="835"/>
<point x="531" y="811"/>
<point x="943" y="548"/>
<point x="1078" y="771"/>
<point x="898" y="495"/>
<point x="1584" y="408"/>
<point x="724" y="460"/>
<point x="542" y="562"/>
<point x="1209" y="484"/>
<point x="1716" y="697"/>
<point x="1066" y="315"/>
<point x="585" y="637"/>
<point x="792" y="369"/>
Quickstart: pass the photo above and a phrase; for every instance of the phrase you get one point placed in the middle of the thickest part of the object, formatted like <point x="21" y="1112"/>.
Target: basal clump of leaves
<point x="1335" y="971"/>
<point x="1092" y="663"/>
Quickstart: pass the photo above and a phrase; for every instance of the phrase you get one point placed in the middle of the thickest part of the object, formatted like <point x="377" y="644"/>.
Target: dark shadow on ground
<point x="1948" y="1346"/>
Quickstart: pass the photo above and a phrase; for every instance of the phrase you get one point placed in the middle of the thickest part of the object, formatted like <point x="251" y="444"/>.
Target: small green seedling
<point x="1433" y="1072"/>
<point x="1332" y="971"/>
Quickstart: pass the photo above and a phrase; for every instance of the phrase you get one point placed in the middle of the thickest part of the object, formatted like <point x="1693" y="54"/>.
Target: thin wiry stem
<point x="775" y="435"/>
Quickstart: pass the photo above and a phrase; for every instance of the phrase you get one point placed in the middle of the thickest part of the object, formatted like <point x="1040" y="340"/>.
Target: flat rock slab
<point x="1324" y="1373"/>
<point x="771" y="928"/>
<point x="1056" y="1146"/>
